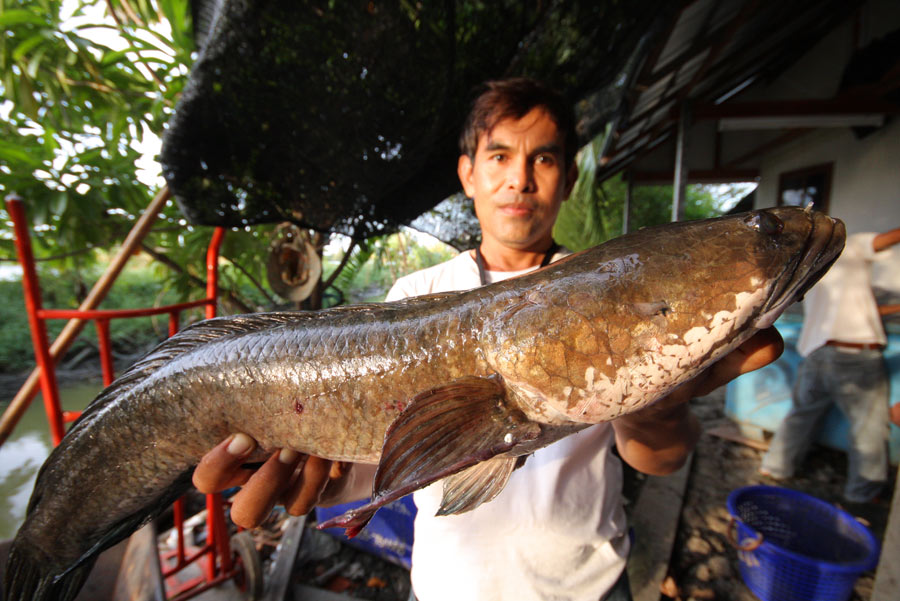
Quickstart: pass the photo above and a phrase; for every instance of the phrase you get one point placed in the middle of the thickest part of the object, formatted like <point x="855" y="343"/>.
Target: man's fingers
<point x="221" y="467"/>
<point x="763" y="348"/>
<point x="258" y="496"/>
<point x="306" y="491"/>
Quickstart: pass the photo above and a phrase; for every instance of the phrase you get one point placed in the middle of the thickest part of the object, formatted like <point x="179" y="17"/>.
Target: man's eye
<point x="497" y="157"/>
<point x="544" y="159"/>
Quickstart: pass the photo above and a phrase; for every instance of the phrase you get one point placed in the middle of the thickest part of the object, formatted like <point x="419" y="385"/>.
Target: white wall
<point x="865" y="185"/>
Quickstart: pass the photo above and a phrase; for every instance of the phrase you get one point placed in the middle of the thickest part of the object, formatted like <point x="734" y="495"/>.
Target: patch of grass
<point x="137" y="288"/>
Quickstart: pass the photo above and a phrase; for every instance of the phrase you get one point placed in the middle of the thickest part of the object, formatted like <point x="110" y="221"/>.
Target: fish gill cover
<point x="344" y="116"/>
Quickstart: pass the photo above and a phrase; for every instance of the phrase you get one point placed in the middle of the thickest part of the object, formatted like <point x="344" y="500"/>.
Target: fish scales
<point x="428" y="388"/>
<point x="319" y="382"/>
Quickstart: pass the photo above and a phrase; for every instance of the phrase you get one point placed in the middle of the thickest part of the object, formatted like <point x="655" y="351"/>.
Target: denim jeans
<point x="856" y="381"/>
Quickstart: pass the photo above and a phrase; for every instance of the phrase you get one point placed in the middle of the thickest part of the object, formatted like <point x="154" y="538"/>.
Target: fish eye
<point x="765" y="223"/>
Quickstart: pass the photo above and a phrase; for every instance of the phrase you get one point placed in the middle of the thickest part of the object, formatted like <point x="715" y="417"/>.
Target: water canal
<point x="23" y="453"/>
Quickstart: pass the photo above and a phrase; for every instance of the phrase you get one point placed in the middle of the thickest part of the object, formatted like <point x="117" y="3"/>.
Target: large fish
<point x="453" y="386"/>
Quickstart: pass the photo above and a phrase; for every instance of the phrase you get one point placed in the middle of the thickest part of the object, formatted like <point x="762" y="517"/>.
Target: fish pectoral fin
<point x="448" y="429"/>
<point x="442" y="432"/>
<point x="476" y="485"/>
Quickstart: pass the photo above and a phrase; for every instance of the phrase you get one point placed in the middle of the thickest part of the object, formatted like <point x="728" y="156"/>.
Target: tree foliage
<point x="84" y="84"/>
<point x="77" y="106"/>
<point x="595" y="211"/>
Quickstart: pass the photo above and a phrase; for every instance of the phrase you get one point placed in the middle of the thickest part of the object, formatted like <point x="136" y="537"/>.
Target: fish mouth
<point x="824" y="244"/>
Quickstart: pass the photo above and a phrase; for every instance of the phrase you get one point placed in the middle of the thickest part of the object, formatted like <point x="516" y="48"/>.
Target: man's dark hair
<point x="513" y="99"/>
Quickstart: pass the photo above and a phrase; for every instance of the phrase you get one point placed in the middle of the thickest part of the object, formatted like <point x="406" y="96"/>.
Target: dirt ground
<point x="704" y="564"/>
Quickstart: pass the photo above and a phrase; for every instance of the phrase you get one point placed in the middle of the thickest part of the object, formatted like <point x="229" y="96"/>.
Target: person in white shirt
<point x="557" y="531"/>
<point x="841" y="343"/>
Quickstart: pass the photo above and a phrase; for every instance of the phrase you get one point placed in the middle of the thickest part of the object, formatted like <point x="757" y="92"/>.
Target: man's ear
<point x="571" y="178"/>
<point x="465" y="169"/>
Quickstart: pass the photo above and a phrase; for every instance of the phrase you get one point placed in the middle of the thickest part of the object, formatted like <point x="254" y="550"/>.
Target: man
<point x="558" y="529"/>
<point x="841" y="344"/>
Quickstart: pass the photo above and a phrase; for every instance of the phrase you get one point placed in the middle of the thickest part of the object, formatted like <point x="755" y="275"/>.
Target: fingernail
<point x="240" y="444"/>
<point x="288" y="456"/>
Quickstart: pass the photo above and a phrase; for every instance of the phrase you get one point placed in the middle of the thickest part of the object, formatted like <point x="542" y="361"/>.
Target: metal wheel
<point x="249" y="578"/>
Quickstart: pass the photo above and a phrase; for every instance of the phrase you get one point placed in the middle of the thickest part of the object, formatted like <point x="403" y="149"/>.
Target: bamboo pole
<point x="73" y="327"/>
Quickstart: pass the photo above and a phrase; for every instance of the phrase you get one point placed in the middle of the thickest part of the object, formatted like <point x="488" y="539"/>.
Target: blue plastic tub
<point x="795" y="547"/>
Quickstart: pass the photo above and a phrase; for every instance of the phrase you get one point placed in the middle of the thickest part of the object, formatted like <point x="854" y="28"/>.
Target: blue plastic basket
<point x="795" y="547"/>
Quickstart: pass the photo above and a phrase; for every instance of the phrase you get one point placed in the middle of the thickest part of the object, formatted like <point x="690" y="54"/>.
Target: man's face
<point x="518" y="181"/>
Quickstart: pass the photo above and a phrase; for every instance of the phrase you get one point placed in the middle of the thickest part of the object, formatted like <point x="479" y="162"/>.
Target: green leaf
<point x="12" y="155"/>
<point x="178" y="14"/>
<point x="113" y="57"/>
<point x="59" y="202"/>
<point x="26" y="46"/>
<point x="35" y="63"/>
<point x="10" y="18"/>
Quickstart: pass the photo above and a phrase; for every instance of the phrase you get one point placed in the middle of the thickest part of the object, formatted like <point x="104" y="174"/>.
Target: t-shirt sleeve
<point x="402" y="288"/>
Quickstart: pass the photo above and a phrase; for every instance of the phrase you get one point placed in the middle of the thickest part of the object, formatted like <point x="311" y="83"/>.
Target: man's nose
<point x="520" y="177"/>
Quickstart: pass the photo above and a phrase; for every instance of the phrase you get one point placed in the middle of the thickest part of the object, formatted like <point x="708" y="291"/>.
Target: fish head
<point x="624" y="323"/>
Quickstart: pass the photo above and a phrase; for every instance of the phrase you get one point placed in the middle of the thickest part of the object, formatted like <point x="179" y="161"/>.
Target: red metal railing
<point x="215" y="553"/>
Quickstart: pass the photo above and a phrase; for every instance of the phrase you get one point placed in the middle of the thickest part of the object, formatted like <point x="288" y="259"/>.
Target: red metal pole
<point x="179" y="523"/>
<point x="32" y="291"/>
<point x="212" y="270"/>
<point x="215" y="523"/>
<point x="173" y="323"/>
<point x="214" y="515"/>
<point x="106" y="362"/>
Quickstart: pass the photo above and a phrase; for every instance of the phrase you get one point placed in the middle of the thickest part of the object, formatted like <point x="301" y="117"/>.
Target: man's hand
<point x="299" y="482"/>
<point x="657" y="440"/>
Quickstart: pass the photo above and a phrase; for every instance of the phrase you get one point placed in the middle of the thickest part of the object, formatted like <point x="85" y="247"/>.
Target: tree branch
<point x="230" y="296"/>
<point x="253" y="281"/>
<point x="337" y="270"/>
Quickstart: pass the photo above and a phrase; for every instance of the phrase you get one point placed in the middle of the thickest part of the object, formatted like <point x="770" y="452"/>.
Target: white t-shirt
<point x="841" y="305"/>
<point x="556" y="532"/>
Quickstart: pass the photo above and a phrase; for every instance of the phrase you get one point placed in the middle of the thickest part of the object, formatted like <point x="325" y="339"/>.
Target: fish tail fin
<point x="31" y="576"/>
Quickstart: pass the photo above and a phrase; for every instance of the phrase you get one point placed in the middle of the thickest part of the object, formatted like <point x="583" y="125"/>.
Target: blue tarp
<point x="759" y="401"/>
<point x="389" y="535"/>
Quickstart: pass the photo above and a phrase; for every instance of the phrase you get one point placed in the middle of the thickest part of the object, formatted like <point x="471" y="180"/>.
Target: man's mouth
<point x="517" y="208"/>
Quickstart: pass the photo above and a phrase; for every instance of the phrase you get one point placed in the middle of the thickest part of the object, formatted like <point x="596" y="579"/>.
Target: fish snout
<point x="822" y="240"/>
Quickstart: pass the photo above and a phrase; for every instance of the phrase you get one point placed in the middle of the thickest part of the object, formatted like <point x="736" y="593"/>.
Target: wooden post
<point x="23" y="398"/>
<point x="629" y="199"/>
<point x="680" y="180"/>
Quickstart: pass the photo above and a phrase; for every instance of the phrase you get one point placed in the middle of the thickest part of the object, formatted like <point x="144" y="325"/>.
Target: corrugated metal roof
<point x="711" y="50"/>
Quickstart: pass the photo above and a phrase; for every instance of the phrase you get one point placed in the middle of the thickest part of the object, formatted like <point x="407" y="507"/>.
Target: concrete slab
<point x="140" y="575"/>
<point x="100" y="583"/>
<point x="280" y="576"/>
<point x="887" y="576"/>
<point x="655" y="522"/>
<point x="310" y="593"/>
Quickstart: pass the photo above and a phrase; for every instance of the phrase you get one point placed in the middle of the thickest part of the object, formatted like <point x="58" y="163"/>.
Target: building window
<point x="811" y="184"/>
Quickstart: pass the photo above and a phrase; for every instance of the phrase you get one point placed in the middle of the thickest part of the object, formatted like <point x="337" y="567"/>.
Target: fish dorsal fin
<point x="185" y="341"/>
<point x="442" y="432"/>
<point x="475" y="485"/>
<point x="220" y="328"/>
